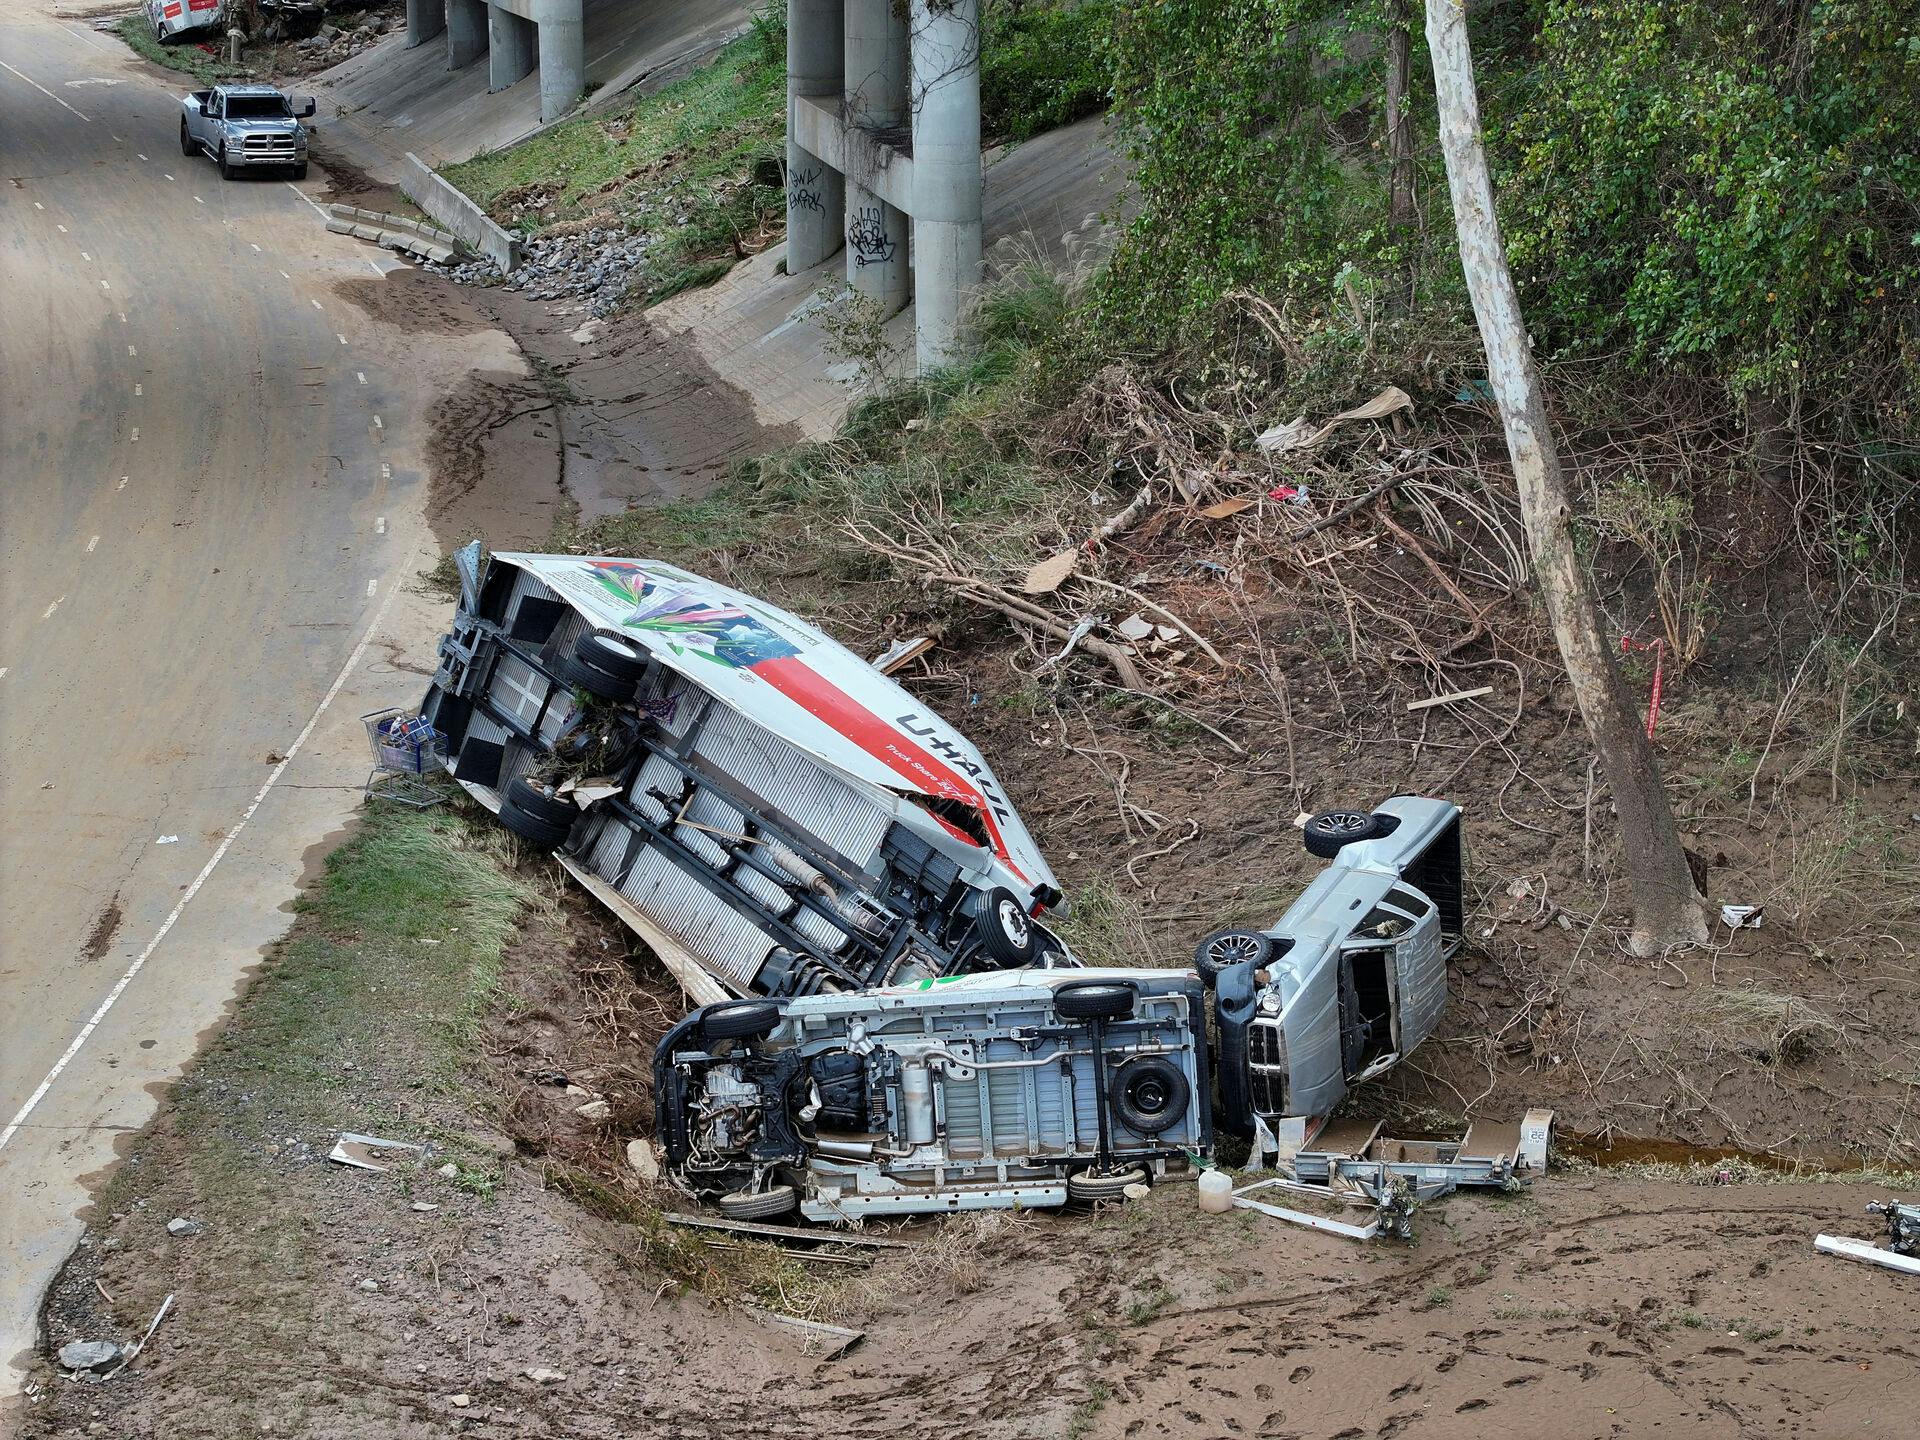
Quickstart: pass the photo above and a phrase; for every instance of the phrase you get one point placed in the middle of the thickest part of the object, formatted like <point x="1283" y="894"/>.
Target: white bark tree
<point x="1667" y="909"/>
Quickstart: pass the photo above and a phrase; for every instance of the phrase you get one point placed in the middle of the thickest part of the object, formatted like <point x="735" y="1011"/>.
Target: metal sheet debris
<point x="365" y="1152"/>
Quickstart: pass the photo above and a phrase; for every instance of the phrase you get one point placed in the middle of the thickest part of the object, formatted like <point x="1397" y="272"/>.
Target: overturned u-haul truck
<point x="740" y="786"/>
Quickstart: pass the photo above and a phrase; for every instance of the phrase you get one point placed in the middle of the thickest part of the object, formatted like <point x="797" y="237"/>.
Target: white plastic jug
<point x="1216" y="1192"/>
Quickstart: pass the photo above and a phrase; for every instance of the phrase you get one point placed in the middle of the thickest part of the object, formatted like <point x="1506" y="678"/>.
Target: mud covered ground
<point x="316" y="1300"/>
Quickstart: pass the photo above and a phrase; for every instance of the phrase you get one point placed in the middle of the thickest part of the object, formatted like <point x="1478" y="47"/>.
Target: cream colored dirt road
<point x="209" y="533"/>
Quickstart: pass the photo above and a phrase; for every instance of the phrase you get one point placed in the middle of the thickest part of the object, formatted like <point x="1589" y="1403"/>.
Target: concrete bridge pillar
<point x="466" y="31"/>
<point x="945" y="103"/>
<point x="563" y="55"/>
<point x="876" y="100"/>
<point x="425" y="19"/>
<point x="511" y="44"/>
<point x="816" y="193"/>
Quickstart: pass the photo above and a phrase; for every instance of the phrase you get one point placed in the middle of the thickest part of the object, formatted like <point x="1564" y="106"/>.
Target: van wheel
<point x="187" y="147"/>
<point x="740" y="1020"/>
<point x="1093" y="1000"/>
<point x="1091" y="1185"/>
<point x="1150" y="1094"/>
<point x="1331" y="831"/>
<point x="760" y="1204"/>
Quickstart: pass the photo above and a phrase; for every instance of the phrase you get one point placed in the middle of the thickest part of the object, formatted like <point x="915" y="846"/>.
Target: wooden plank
<point x="813" y="1235"/>
<point x="1848" y="1249"/>
<point x="837" y="1338"/>
<point x="1431" y="700"/>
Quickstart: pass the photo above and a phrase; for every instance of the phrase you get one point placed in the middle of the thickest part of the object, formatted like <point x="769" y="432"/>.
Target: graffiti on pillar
<point x="804" y="191"/>
<point x="867" y="236"/>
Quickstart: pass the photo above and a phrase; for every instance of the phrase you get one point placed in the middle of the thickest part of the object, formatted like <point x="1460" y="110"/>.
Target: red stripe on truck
<point x="828" y="702"/>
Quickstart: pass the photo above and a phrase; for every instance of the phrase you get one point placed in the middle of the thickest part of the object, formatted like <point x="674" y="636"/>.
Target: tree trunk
<point x="1667" y="910"/>
<point x="1400" y="215"/>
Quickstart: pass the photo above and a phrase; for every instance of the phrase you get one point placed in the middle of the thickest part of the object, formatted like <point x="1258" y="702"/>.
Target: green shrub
<point x="1043" y="65"/>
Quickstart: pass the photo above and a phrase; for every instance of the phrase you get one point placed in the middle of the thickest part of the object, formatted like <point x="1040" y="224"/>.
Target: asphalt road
<point x="208" y="503"/>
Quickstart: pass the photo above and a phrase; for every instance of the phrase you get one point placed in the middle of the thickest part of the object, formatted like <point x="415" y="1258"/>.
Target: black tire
<point x="1089" y="1186"/>
<point x="1094" y="1000"/>
<point x="1149" y="1094"/>
<point x="1331" y="831"/>
<point x="531" y="828"/>
<point x="1230" y="947"/>
<point x="614" y="655"/>
<point x="739" y="1020"/>
<point x="1007" y="933"/>
<point x="530" y="799"/>
<point x="601" y="684"/>
<point x="300" y="171"/>
<point x="226" y="170"/>
<point x="759" y="1204"/>
<point x="187" y="147"/>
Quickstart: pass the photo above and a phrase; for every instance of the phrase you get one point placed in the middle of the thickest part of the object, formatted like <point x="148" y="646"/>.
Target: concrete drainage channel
<point x="395" y="232"/>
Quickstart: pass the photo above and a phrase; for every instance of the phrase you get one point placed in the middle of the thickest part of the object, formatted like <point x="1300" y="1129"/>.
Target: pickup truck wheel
<point x="1093" y="1000"/>
<point x="759" y="1205"/>
<point x="740" y="1020"/>
<point x="1150" y="1094"/>
<point x="300" y="171"/>
<point x="529" y="799"/>
<point x="1331" y="831"/>
<point x="226" y="170"/>
<point x="1112" y="1185"/>
<point x="1230" y="947"/>
<point x="187" y="147"/>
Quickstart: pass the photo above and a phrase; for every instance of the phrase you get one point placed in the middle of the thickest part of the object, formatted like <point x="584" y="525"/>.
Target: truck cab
<point x="243" y="127"/>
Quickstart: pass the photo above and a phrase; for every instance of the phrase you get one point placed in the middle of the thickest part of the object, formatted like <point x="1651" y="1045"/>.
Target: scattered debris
<point x="542" y="1375"/>
<point x="366" y="1152"/>
<point x="88" y="1354"/>
<point x="837" y="1339"/>
<point x="1227" y="508"/>
<point x="460" y="1402"/>
<point x="641" y="1157"/>
<point x="179" y="1227"/>
<point x="901" y="653"/>
<point x="1432" y="700"/>
<point x="1050" y="573"/>
<point x="168" y="840"/>
<point x="134" y="1349"/>
<point x="788" y="1235"/>
<point x="1300" y="435"/>
<point x="1850" y="1249"/>
<point x="448" y="1171"/>
<point x="1741" y="917"/>
<point x="369" y="1285"/>
<point x="424" y="1207"/>
<point x="1903" y="1225"/>
<point x="594" y="1110"/>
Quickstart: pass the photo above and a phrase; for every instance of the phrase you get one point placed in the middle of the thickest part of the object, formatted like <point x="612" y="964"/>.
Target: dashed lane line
<point x="380" y="526"/>
<point x="58" y="226"/>
<point x="131" y="352"/>
<point x="123" y="482"/>
<point x="373" y="587"/>
<point x="136" y="433"/>
<point x="361" y="375"/>
<point x="86" y="257"/>
<point x="341" y="338"/>
<point x="316" y="305"/>
<point x="219" y="854"/>
<point x="285" y="276"/>
<point x="47" y="614"/>
<point x="92" y="543"/>
<point x="136" y="387"/>
<point x="46" y="92"/>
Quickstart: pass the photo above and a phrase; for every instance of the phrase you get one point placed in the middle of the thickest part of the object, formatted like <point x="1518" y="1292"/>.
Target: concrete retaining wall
<point x="459" y="214"/>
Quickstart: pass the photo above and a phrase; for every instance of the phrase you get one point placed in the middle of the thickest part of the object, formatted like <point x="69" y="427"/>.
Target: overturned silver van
<point x="769" y="812"/>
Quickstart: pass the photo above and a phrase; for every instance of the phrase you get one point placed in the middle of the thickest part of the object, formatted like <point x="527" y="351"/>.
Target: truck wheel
<point x="600" y="684"/>
<point x="1006" y="931"/>
<point x="529" y="799"/>
<point x="1092" y="1185"/>
<point x="613" y="655"/>
<point x="187" y="147"/>
<point x="1331" y="831"/>
<point x="226" y="170"/>
<point x="532" y="828"/>
<point x="300" y="171"/>
<point x="759" y="1205"/>
<point x="1230" y="947"/>
<point x="1093" y="1000"/>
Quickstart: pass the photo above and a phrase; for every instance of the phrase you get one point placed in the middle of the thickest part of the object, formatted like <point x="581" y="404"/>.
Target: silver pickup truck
<point x="243" y="127"/>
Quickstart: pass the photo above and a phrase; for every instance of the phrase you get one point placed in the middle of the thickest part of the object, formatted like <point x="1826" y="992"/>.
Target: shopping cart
<point x="408" y="756"/>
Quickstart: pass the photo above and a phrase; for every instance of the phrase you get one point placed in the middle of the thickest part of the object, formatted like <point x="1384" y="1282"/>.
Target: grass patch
<point x="1081" y="1423"/>
<point x="187" y="59"/>
<point x="694" y="167"/>
<point x="1149" y="1305"/>
<point x="1770" y="1026"/>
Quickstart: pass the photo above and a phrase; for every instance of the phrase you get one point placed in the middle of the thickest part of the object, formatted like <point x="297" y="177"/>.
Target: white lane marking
<point x="376" y="269"/>
<point x="165" y="173"/>
<point x="47" y="614"/>
<point x="136" y="387"/>
<point x="219" y="854"/>
<point x="38" y="206"/>
<point x="342" y="339"/>
<point x="362" y="376"/>
<point x="386" y="472"/>
<point x="123" y="319"/>
<point x="285" y="276"/>
<point x="380" y="526"/>
<point x="86" y="257"/>
<point x="105" y="286"/>
<point x="376" y="423"/>
<point x="91" y="543"/>
<point x="198" y="201"/>
<point x="61" y="228"/>
<point x="373" y="587"/>
<point x="256" y="248"/>
<point x="123" y="483"/>
<point x="3" y="672"/>
<point x="131" y="352"/>
<point x="316" y="304"/>
<point x="136" y="432"/>
<point x="306" y="197"/>
<point x="137" y="153"/>
<point x="48" y="93"/>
